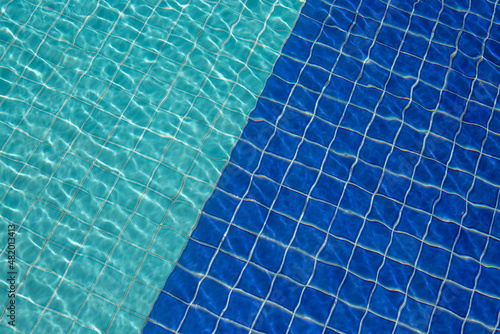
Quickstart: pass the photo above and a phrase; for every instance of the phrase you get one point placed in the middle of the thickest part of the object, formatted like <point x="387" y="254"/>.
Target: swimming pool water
<point x="360" y="196"/>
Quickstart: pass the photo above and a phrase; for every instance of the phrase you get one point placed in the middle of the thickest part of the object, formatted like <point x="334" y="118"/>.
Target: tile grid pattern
<point x="418" y="144"/>
<point x="100" y="253"/>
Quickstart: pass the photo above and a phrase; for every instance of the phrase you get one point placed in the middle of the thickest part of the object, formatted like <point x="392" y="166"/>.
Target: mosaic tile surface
<point x="116" y="118"/>
<point x="362" y="196"/>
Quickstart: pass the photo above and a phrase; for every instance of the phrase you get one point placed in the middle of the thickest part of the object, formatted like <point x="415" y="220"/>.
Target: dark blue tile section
<point x="363" y="195"/>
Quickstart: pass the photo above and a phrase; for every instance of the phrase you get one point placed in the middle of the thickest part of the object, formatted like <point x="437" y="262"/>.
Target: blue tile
<point x="251" y="216"/>
<point x="450" y="207"/>
<point x="283" y="144"/>
<point x="198" y="321"/>
<point x="416" y="314"/>
<point x="407" y="65"/>
<point x="444" y="322"/>
<point x="285" y="292"/>
<point x="414" y="222"/>
<point x="294" y="121"/>
<point x="279" y="227"/>
<point x="212" y="295"/>
<point x="226" y="327"/>
<point x="356" y="200"/>
<point x="374" y="152"/>
<point x="307" y="28"/>
<point x="328" y="189"/>
<point x="310" y="154"/>
<point x="242" y="308"/>
<point x="273" y="167"/>
<point x="433" y="260"/>
<point x="314" y="78"/>
<point x="317" y="9"/>
<point x="374" y="323"/>
<point x="385" y="210"/>
<point x="356" y="291"/>
<point x="334" y="36"/>
<point x="303" y="99"/>
<point x="327" y="277"/>
<point x="290" y="202"/>
<point x="463" y="271"/>
<point x="478" y="218"/>
<point x="395" y="275"/>
<point x="258" y="133"/>
<point x="346" y="225"/>
<point x="262" y="190"/>
<point x="323" y="56"/>
<point x="346" y="318"/>
<point x="471" y="136"/>
<point x="168" y="311"/>
<point x="315" y="304"/>
<point x="150" y="328"/>
<point x="492" y="255"/>
<point x="301" y="178"/>
<point x="457" y="182"/>
<point x="373" y="9"/>
<point x="355" y="118"/>
<point x="319" y="214"/>
<point x="266" y="109"/>
<point x="255" y="281"/>
<point x="287" y="68"/>
<point x="484" y="309"/>
<point x="226" y="268"/>
<point x="298" y="48"/>
<point x="298" y="266"/>
<point x="375" y="236"/>
<point x="365" y="263"/>
<point x="366" y="176"/>
<point x="455" y="298"/>
<point x="336" y="251"/>
<point x="182" y="284"/>
<point x="422" y="197"/>
<point x="329" y="109"/>
<point x="304" y="326"/>
<point x="357" y="47"/>
<point x="348" y="68"/>
<point x="238" y="242"/>
<point x="486" y="282"/>
<point x="309" y="239"/>
<point x="404" y="248"/>
<point x="442" y="233"/>
<point x="273" y="319"/>
<point x="445" y="126"/>
<point x="338" y="165"/>
<point x="196" y="257"/>
<point x="245" y="156"/>
<point x="424" y="287"/>
<point x="221" y="205"/>
<point x="470" y="243"/>
<point x="268" y="254"/>
<point x="209" y="230"/>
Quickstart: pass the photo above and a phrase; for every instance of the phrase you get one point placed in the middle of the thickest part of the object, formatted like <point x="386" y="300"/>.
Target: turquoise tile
<point x="126" y="258"/>
<point x="111" y="285"/>
<point x="168" y="244"/>
<point x="42" y="219"/>
<point x="140" y="298"/>
<point x="83" y="271"/>
<point x="68" y="298"/>
<point x="38" y="286"/>
<point x="54" y="258"/>
<point x="96" y="313"/>
<point x="98" y="244"/>
<point x="30" y="181"/>
<point x="139" y="231"/>
<point x="153" y="271"/>
<point x="126" y="322"/>
<point x="52" y="322"/>
<point x="26" y="314"/>
<point x="69" y="232"/>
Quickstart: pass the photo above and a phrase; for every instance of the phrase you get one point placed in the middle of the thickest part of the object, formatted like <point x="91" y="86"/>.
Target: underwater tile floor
<point x="360" y="195"/>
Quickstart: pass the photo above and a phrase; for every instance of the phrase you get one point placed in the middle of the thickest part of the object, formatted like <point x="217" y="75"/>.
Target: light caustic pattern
<point x="363" y="194"/>
<point x="116" y="118"/>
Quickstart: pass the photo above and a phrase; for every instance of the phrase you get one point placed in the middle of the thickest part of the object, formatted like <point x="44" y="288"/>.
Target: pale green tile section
<point x="110" y="143"/>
